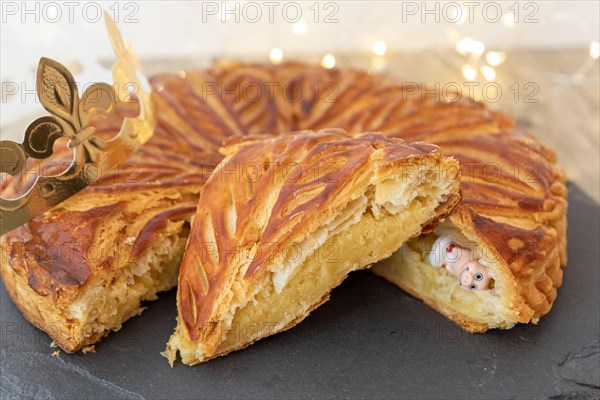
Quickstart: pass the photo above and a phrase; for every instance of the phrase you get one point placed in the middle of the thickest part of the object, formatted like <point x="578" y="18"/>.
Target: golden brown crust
<point x="200" y="109"/>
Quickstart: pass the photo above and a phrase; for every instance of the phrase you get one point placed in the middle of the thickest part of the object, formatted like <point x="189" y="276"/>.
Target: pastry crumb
<point x="165" y="354"/>
<point x="89" y="349"/>
<point x="56" y="353"/>
<point x="53" y="344"/>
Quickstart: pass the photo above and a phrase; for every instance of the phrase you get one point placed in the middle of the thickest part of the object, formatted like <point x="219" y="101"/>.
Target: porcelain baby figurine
<point x="460" y="262"/>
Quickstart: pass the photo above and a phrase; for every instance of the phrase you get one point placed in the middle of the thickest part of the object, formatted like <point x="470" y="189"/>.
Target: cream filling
<point x="287" y="263"/>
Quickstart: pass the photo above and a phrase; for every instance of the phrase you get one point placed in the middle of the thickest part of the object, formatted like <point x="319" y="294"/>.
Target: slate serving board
<point x="371" y="340"/>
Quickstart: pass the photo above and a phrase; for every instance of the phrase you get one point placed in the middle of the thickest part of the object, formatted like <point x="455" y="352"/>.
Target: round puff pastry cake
<point x="513" y="213"/>
<point x="283" y="220"/>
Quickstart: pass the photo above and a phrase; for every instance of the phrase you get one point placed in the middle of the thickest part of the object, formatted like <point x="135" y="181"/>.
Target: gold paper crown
<point x="69" y="117"/>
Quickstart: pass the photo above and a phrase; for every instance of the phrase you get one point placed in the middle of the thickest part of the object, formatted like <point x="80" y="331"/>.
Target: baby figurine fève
<point x="460" y="262"/>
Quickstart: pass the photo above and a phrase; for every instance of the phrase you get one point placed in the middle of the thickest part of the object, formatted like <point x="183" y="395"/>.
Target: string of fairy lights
<point x="478" y="59"/>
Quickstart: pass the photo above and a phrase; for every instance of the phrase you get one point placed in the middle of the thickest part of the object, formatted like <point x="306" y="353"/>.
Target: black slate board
<point x="370" y="340"/>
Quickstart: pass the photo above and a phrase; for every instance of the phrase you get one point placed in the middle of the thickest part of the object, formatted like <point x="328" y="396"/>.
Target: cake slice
<point x="283" y="220"/>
